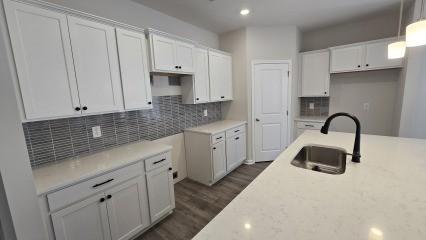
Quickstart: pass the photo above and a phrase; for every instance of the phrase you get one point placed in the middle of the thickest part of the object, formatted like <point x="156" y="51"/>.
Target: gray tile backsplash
<point x="55" y="140"/>
<point x="321" y="106"/>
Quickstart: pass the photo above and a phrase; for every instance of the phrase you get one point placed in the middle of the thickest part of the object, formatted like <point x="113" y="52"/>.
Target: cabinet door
<point x="42" y="51"/>
<point x="201" y="77"/>
<point x="377" y="56"/>
<point x="128" y="209"/>
<point x="163" y="54"/>
<point x="96" y="63"/>
<point x="86" y="220"/>
<point x="220" y="72"/>
<point x="134" y="69"/>
<point x="160" y="191"/>
<point x="235" y="151"/>
<point x="348" y="59"/>
<point x="219" y="160"/>
<point x="185" y="57"/>
<point x="315" y="74"/>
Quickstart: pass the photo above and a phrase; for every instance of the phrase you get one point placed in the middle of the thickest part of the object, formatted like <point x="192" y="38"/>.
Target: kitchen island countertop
<point x="381" y="198"/>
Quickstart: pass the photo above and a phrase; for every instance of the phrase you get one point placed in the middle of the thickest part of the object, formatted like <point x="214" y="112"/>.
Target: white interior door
<point x="271" y="83"/>
<point x="134" y="69"/>
<point x="43" y="57"/>
<point x="94" y="49"/>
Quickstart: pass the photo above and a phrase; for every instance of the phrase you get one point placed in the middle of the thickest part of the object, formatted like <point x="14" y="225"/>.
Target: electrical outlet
<point x="96" y="131"/>
<point x="367" y="107"/>
<point x="311" y="105"/>
<point x="205" y="113"/>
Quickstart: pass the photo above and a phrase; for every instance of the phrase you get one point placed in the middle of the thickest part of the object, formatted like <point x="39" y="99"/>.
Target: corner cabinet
<point x="171" y="55"/>
<point x="315" y="73"/>
<point x="220" y="73"/>
<point x="363" y="57"/>
<point x="117" y="205"/>
<point x="214" y="150"/>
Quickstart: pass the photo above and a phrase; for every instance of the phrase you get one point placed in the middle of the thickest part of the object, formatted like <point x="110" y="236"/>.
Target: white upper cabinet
<point x="43" y="58"/>
<point x="315" y="73"/>
<point x="163" y="54"/>
<point x="170" y="55"/>
<point x="220" y="72"/>
<point x="94" y="50"/>
<point x="347" y="59"/>
<point x="363" y="57"/>
<point x="377" y="56"/>
<point x="196" y="88"/>
<point x="185" y="57"/>
<point x="135" y="79"/>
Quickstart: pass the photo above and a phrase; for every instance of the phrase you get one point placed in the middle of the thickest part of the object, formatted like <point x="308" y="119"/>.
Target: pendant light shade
<point x="416" y="34"/>
<point x="396" y="50"/>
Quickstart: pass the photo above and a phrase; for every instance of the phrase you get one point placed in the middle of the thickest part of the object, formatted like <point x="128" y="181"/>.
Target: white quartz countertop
<point x="216" y="127"/>
<point x="320" y="119"/>
<point x="53" y="176"/>
<point x="381" y="198"/>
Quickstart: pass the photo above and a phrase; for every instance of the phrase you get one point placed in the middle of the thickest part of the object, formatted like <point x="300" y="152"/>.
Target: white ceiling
<point x="223" y="15"/>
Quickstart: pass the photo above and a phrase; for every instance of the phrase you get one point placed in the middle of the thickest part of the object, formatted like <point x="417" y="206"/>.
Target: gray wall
<point x="20" y="214"/>
<point x="133" y="13"/>
<point x="349" y="91"/>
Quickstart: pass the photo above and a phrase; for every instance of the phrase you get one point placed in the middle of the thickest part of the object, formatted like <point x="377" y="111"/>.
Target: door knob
<point x="257" y="120"/>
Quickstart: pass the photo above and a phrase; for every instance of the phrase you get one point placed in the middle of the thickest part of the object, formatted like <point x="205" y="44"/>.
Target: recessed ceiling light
<point x="245" y="11"/>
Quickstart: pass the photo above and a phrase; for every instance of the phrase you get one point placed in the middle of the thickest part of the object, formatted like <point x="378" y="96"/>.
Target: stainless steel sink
<point x="321" y="159"/>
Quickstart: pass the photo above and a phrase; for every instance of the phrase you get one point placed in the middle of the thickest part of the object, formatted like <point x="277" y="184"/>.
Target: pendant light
<point x="416" y="32"/>
<point x="397" y="49"/>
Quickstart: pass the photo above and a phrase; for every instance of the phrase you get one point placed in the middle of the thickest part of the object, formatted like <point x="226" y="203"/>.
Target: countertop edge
<point x="232" y="125"/>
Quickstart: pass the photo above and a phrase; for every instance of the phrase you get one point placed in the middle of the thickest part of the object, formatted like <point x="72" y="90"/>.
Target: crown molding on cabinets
<point x="77" y="13"/>
<point x="169" y="35"/>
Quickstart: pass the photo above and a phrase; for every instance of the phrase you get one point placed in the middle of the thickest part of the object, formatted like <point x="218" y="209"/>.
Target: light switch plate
<point x="96" y="131"/>
<point x="311" y="105"/>
<point x="205" y="113"/>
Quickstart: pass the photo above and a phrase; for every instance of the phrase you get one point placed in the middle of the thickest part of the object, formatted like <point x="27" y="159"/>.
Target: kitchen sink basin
<point x="323" y="159"/>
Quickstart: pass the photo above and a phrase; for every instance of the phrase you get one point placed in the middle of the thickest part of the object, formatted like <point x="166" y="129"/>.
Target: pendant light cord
<point x="401" y="11"/>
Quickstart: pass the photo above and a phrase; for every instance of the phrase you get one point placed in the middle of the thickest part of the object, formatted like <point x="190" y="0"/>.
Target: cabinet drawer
<point x="87" y="188"/>
<point x="158" y="161"/>
<point x="235" y="131"/>
<point x="218" y="138"/>
<point x="309" y="125"/>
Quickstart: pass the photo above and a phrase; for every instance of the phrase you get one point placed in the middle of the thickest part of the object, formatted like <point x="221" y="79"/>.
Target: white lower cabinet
<point x="303" y="125"/>
<point x="219" y="160"/>
<point x="87" y="220"/>
<point x="160" y="191"/>
<point x="121" y="208"/>
<point x="212" y="155"/>
<point x="235" y="150"/>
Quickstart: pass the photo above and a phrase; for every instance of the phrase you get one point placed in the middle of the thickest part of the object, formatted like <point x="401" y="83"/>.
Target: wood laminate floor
<point x="197" y="204"/>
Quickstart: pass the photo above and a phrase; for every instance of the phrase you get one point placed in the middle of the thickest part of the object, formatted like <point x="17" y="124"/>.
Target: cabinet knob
<point x="170" y="169"/>
<point x="257" y="120"/>
<point x="359" y="66"/>
<point x="325" y="92"/>
<point x="149" y="103"/>
<point x="109" y="197"/>
<point x="237" y="138"/>
<point x="102" y="200"/>
<point x="180" y="67"/>
<point x="222" y="97"/>
<point x="85" y="108"/>
<point x="197" y="99"/>
<point x="77" y="108"/>
<point x="177" y="67"/>
<point x="367" y="65"/>
<point x="214" y="148"/>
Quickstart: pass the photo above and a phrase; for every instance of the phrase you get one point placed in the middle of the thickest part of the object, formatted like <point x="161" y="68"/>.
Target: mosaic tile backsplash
<point x="321" y="106"/>
<point x="56" y="140"/>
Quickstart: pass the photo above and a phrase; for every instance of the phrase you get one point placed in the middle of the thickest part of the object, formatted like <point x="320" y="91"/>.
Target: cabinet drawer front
<point x="235" y="131"/>
<point x="87" y="188"/>
<point x="218" y="138"/>
<point x="309" y="125"/>
<point x="158" y="161"/>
